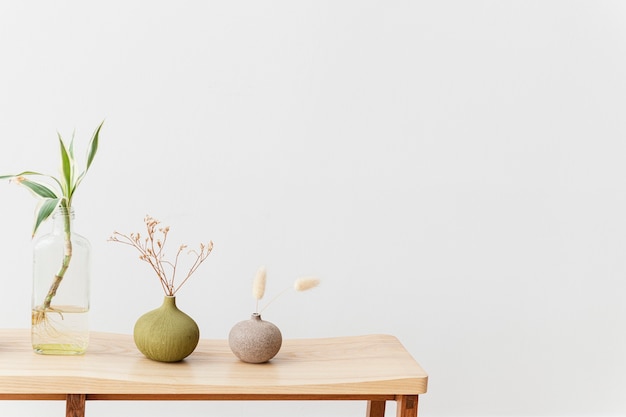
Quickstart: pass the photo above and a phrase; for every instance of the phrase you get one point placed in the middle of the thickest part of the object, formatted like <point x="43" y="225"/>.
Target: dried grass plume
<point x="303" y="284"/>
<point x="258" y="287"/>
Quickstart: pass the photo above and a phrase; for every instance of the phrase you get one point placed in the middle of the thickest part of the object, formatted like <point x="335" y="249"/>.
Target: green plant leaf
<point x="28" y="173"/>
<point x="44" y="211"/>
<point x="71" y="149"/>
<point x="93" y="146"/>
<point x="4" y="177"/>
<point x="40" y="189"/>
<point x="66" y="169"/>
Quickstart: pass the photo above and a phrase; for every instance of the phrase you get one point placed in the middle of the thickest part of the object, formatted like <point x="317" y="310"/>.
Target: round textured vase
<point x="255" y="340"/>
<point x="166" y="334"/>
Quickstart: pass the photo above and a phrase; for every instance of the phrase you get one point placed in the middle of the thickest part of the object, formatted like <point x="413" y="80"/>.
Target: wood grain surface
<point x="372" y="366"/>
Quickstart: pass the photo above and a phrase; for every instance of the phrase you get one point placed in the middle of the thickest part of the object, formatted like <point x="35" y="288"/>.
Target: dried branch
<point x="151" y="250"/>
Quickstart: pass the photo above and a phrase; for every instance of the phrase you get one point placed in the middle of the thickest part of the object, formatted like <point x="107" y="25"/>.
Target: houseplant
<point x="59" y="313"/>
<point x="165" y="334"/>
<point x="256" y="340"/>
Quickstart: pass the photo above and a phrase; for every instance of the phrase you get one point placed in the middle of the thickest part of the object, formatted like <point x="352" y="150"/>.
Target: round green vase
<point x="166" y="334"/>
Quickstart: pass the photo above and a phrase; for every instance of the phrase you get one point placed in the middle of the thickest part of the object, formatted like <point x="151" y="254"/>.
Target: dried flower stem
<point x="151" y="251"/>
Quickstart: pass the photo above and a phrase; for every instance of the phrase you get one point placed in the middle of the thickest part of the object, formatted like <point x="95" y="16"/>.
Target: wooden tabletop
<point x="372" y="365"/>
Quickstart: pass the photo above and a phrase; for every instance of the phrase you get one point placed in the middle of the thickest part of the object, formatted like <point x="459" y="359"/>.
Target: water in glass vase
<point x="61" y="330"/>
<point x="60" y="297"/>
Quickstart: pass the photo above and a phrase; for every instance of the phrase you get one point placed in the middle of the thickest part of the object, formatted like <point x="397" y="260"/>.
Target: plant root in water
<point x="60" y="330"/>
<point x="40" y="315"/>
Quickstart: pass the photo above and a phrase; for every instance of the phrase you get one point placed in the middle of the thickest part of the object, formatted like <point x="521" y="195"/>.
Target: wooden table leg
<point x="375" y="409"/>
<point x="75" y="405"/>
<point x="407" y="405"/>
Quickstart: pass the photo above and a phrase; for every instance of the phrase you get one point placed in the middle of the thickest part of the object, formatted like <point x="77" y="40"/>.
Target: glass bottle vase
<point x="60" y="296"/>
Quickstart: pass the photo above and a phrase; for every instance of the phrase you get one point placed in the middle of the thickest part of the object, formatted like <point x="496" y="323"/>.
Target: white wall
<point x="453" y="171"/>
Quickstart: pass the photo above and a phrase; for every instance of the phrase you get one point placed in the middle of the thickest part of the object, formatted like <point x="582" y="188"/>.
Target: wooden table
<point x="373" y="368"/>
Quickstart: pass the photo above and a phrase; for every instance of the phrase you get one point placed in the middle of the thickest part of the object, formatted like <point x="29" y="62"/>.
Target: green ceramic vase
<point x="166" y="334"/>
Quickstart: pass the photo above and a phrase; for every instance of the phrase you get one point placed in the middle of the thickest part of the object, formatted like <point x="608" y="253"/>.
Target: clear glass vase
<point x="60" y="297"/>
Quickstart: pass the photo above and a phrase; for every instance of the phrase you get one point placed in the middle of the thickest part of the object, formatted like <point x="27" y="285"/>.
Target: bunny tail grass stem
<point x="274" y="299"/>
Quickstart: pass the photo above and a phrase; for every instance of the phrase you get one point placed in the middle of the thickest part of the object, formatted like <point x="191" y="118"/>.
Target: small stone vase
<point x="166" y="334"/>
<point x="255" y="340"/>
